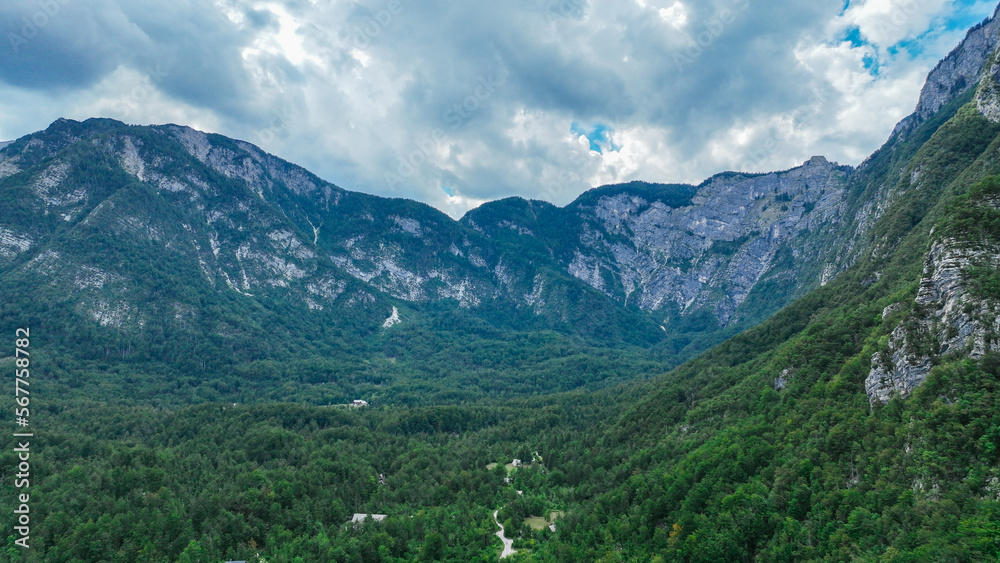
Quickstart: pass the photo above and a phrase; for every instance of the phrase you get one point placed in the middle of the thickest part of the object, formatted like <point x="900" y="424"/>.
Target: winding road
<point x="508" y="545"/>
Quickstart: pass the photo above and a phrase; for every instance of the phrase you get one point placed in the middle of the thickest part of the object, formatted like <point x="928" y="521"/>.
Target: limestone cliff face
<point x="956" y="73"/>
<point x="988" y="93"/>
<point x="241" y="220"/>
<point x="972" y="63"/>
<point x="730" y="250"/>
<point x="225" y="218"/>
<point x="104" y="205"/>
<point x="713" y="252"/>
<point x="946" y="319"/>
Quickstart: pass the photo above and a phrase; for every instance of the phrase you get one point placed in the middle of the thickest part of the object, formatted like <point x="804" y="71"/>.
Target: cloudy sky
<point x="455" y="103"/>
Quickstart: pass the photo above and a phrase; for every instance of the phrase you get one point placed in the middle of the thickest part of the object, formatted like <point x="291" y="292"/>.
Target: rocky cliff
<point x="674" y="250"/>
<point x="957" y="73"/>
<point x="946" y="319"/>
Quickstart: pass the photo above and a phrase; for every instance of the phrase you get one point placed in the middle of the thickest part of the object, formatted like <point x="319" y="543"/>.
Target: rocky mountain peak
<point x="956" y="73"/>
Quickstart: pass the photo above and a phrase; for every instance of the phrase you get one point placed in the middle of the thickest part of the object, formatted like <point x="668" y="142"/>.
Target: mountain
<point x="676" y="267"/>
<point x="956" y="74"/>
<point x="198" y="308"/>
<point x="723" y="254"/>
<point x="179" y="251"/>
<point x="157" y="244"/>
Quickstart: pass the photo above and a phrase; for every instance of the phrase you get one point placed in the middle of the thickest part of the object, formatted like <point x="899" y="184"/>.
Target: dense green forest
<point x="211" y="482"/>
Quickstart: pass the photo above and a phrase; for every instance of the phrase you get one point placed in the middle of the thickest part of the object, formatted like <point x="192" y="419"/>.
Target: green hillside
<point x="767" y="447"/>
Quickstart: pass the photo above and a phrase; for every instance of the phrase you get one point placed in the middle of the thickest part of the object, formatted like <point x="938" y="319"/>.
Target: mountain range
<point x="132" y="228"/>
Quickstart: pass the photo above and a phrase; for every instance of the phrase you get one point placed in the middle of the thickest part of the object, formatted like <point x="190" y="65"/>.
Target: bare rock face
<point x="946" y="320"/>
<point x="974" y="61"/>
<point x="896" y="372"/>
<point x="716" y="250"/>
<point x="957" y="72"/>
<point x="988" y="94"/>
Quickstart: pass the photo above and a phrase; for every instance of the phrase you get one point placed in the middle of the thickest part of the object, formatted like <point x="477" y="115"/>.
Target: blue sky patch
<point x="599" y="136"/>
<point x="913" y="47"/>
<point x="968" y="13"/>
<point x="854" y="36"/>
<point x="870" y="60"/>
<point x="871" y="64"/>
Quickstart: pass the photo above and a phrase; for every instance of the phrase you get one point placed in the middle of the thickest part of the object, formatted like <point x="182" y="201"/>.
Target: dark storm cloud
<point x="735" y="59"/>
<point x="62" y="44"/>
<point x="194" y="52"/>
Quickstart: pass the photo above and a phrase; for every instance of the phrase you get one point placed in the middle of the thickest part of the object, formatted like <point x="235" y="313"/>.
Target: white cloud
<point x="676" y="15"/>
<point x="351" y="90"/>
<point x="887" y="22"/>
<point x="361" y="56"/>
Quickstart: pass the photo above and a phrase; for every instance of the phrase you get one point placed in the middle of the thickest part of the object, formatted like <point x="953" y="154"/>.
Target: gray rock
<point x="947" y="320"/>
<point x="669" y="258"/>
<point x="956" y="73"/>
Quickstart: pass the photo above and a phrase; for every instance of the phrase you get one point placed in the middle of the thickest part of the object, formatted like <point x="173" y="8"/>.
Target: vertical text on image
<point x="22" y="413"/>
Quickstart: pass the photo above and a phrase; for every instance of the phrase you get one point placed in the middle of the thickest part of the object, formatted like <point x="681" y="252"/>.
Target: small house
<point x="359" y="518"/>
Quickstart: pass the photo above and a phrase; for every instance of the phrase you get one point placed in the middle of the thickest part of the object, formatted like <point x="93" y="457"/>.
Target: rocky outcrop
<point x="714" y="251"/>
<point x="393" y="319"/>
<point x="946" y="320"/>
<point x="988" y="94"/>
<point x="956" y="73"/>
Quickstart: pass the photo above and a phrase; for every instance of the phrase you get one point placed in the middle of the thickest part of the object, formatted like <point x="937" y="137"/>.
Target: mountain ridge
<point x="424" y="256"/>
